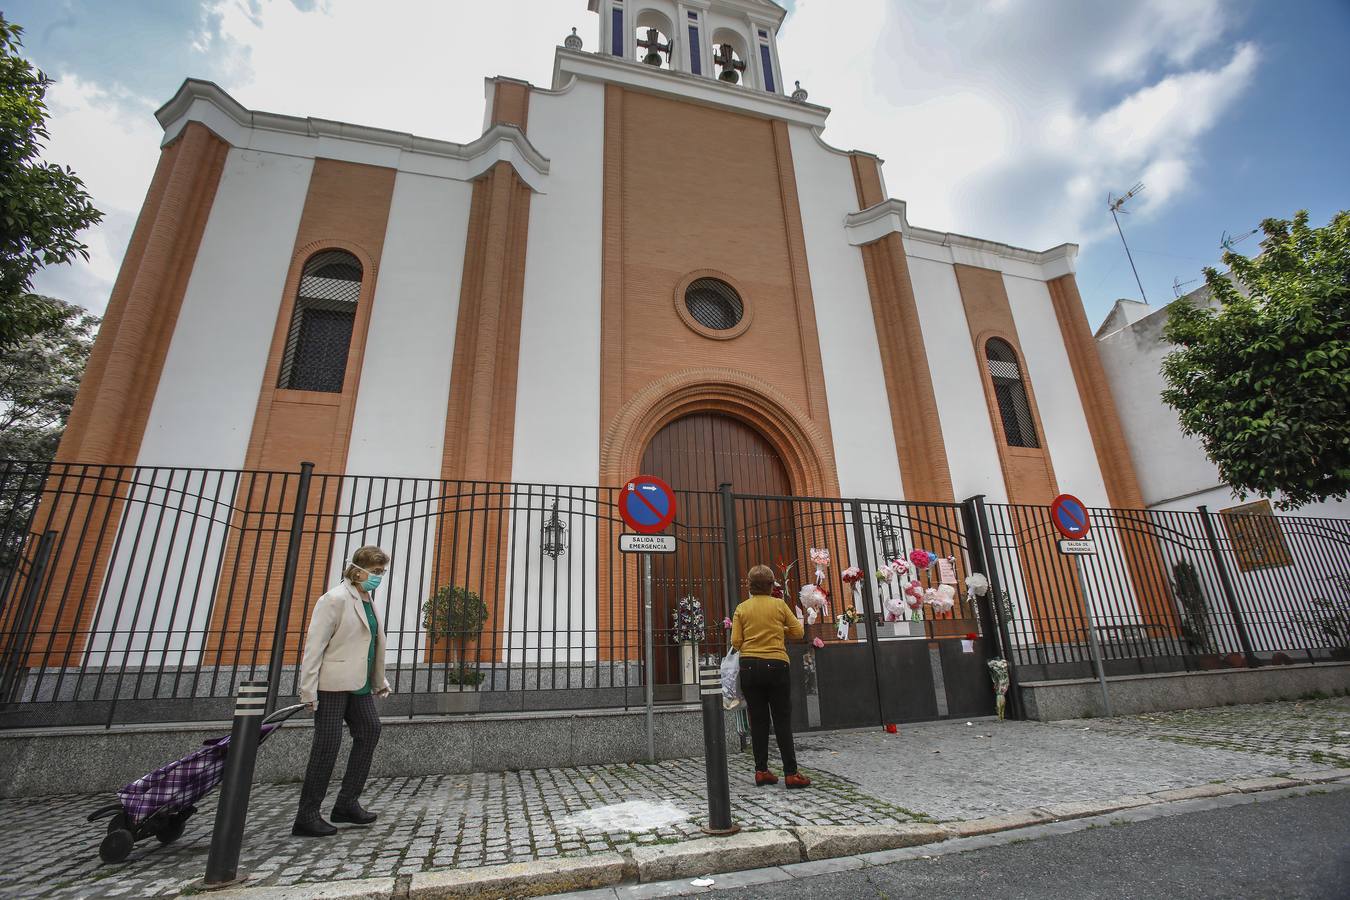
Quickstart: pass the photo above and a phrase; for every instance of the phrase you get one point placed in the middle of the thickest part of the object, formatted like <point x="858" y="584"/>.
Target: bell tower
<point x="731" y="41"/>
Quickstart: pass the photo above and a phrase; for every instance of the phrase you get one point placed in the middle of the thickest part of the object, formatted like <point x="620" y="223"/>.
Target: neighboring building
<point x="1173" y="471"/>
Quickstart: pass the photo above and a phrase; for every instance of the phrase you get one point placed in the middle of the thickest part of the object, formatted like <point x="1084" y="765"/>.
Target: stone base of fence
<point x="1078" y="698"/>
<point x="52" y="761"/>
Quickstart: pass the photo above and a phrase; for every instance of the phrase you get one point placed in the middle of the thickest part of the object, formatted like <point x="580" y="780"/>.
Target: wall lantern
<point x="555" y="534"/>
<point x="886" y="534"/>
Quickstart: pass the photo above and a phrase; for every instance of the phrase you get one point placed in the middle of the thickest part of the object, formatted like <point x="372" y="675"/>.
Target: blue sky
<point x="1003" y="119"/>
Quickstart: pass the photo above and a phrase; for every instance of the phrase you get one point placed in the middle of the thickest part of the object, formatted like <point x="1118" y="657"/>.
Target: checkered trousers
<point x="336" y="707"/>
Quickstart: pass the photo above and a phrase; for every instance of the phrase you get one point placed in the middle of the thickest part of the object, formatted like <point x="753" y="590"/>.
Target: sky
<point x="1009" y="120"/>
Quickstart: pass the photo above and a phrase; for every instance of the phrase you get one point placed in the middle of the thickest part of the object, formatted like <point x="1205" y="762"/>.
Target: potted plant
<point x="687" y="631"/>
<point x="1330" y="619"/>
<point x="1195" y="618"/>
<point x="454" y="618"/>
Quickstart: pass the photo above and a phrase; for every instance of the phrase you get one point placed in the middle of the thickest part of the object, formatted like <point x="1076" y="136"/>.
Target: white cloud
<point x="111" y="141"/>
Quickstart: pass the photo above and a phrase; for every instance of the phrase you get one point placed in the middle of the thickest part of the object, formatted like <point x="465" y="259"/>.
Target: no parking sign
<point x="647" y="504"/>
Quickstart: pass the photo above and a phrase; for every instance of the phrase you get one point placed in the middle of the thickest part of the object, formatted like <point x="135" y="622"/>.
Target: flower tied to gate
<point x="817" y="643"/>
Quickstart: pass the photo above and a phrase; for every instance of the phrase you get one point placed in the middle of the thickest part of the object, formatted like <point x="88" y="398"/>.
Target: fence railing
<point x="149" y="593"/>
<point x="1173" y="590"/>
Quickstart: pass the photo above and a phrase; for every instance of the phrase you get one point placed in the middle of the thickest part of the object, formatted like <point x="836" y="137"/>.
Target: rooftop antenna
<point x="1114" y="204"/>
<point x="1228" y="240"/>
<point x="1178" y="284"/>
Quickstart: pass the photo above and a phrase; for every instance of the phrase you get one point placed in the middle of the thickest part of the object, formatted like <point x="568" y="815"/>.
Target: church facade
<point x="656" y="265"/>
<point x="661" y="236"/>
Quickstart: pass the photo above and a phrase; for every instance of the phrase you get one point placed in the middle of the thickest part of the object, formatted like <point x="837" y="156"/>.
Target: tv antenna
<point x="1226" y="241"/>
<point x="1178" y="284"/>
<point x="1114" y="204"/>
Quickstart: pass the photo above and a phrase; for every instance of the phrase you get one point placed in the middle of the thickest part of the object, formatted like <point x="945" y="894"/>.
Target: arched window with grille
<point x="1019" y="426"/>
<point x="321" y="326"/>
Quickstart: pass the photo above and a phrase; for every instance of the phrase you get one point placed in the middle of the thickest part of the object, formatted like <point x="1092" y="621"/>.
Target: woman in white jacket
<point x="342" y="668"/>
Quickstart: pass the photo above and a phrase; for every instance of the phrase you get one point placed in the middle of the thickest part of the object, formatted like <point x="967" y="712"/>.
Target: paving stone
<point x="939" y="772"/>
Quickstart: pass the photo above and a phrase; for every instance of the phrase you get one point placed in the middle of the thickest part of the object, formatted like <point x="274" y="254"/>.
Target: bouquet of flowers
<point x="843" y="620"/>
<point x="852" y="577"/>
<point x="976" y="586"/>
<point x="998" y="672"/>
<point x="922" y="559"/>
<point x="689" y="622"/>
<point x="820" y="558"/>
<point x="814" y="600"/>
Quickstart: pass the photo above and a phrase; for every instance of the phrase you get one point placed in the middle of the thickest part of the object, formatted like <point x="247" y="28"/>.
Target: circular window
<point x="714" y="304"/>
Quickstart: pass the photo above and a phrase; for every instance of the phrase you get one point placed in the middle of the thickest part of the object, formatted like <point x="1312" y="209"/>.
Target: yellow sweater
<point x="761" y="625"/>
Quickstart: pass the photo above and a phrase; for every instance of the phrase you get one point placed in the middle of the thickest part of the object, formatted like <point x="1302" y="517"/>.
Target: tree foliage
<point x="38" y="380"/>
<point x="1263" y="378"/>
<point x="43" y="206"/>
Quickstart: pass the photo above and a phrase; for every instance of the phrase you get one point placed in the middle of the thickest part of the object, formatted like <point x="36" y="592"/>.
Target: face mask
<point x="372" y="582"/>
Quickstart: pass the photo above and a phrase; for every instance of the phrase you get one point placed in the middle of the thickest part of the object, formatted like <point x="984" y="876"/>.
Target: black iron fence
<point x="1172" y="590"/>
<point x="131" y="594"/>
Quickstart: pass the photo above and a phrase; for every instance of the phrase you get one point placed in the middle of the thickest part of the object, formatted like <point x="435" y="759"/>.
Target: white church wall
<point x="207" y="396"/>
<point x="152" y="610"/>
<point x="1066" y="437"/>
<point x="855" y="385"/>
<point x="972" y="454"/>
<point x="557" y="430"/>
<point x="399" y="423"/>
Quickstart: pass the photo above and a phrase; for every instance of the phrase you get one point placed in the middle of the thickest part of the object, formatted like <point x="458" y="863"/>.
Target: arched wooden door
<point x="697" y="453"/>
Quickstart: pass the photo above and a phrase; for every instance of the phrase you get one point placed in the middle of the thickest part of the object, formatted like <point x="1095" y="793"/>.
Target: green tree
<point x="38" y="379"/>
<point x="43" y="206"/>
<point x="1263" y="380"/>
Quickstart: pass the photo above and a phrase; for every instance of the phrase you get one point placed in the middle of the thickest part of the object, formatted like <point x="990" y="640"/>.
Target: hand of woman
<point x="382" y="692"/>
<point x="311" y="705"/>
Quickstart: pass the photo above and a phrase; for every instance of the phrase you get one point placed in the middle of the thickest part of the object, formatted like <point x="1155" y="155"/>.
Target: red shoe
<point x="763" y="777"/>
<point x="797" y="780"/>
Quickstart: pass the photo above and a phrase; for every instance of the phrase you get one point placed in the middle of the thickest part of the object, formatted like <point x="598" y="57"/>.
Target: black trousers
<point x="767" y="685"/>
<point x="336" y="707"/>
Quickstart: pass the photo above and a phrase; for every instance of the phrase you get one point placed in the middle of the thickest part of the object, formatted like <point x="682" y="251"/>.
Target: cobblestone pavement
<point x="1316" y="732"/>
<point x="453" y="820"/>
<point x="938" y="771"/>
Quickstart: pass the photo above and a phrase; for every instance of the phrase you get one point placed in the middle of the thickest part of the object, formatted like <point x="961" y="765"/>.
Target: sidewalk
<point x="932" y="773"/>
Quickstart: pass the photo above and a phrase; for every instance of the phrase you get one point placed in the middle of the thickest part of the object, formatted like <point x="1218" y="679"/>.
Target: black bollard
<point x="222" y="863"/>
<point x="715" y="754"/>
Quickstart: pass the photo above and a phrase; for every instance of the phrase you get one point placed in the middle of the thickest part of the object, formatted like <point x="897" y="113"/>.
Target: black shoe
<point x="353" y="814"/>
<point x="317" y="828"/>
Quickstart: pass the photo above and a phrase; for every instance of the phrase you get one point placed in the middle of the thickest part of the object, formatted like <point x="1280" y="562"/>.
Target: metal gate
<point x="893" y="666"/>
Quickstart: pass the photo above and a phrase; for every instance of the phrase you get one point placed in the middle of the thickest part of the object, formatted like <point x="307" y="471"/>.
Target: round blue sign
<point x="1070" y="517"/>
<point x="647" y="504"/>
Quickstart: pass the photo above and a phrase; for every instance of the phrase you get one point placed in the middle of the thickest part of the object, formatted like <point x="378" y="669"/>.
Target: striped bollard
<point x="222" y="863"/>
<point x="715" y="754"/>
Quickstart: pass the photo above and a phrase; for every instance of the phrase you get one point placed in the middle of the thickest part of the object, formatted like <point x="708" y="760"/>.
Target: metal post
<point x="979" y="519"/>
<point x="222" y="863"/>
<point x="647" y="638"/>
<point x="715" y="754"/>
<point x="288" y="586"/>
<point x="731" y="581"/>
<point x="10" y="679"/>
<point x="863" y="560"/>
<point x="1226" y="583"/>
<point x="1093" y="645"/>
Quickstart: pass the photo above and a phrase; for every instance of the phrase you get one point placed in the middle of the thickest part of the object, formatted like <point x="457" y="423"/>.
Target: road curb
<point x="808" y="847"/>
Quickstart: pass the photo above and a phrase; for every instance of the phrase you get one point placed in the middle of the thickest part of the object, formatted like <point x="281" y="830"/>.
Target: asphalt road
<point x="1295" y="847"/>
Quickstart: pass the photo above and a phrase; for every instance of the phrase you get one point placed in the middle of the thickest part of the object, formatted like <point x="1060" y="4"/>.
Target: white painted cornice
<point x="888" y="217"/>
<point x="205" y="102"/>
<point x="683" y="86"/>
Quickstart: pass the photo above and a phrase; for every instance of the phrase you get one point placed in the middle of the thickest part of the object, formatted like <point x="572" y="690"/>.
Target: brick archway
<point x="802" y="446"/>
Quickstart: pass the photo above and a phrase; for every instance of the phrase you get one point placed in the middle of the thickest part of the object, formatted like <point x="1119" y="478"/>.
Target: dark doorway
<point x="694" y="455"/>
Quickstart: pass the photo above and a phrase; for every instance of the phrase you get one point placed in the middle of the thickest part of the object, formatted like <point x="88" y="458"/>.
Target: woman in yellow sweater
<point x="759" y="631"/>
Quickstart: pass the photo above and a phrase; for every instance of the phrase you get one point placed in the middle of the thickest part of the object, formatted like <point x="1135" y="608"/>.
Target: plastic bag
<point x="732" y="698"/>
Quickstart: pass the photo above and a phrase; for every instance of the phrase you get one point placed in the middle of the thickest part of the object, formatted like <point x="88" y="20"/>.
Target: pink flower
<point x="817" y="643"/>
<point x="726" y="623"/>
<point x="919" y="558"/>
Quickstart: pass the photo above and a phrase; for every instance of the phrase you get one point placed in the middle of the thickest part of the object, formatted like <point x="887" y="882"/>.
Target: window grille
<point x="713" y="303"/>
<point x="1019" y="428"/>
<point x="321" y="326"/>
